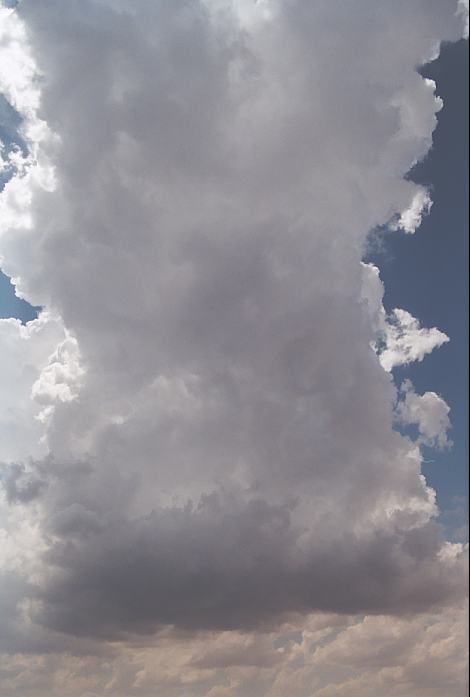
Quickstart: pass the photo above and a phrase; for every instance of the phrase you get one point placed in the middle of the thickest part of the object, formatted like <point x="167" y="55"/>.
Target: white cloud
<point x="398" y="338"/>
<point x="406" y="341"/>
<point x="410" y="219"/>
<point x="25" y="353"/>
<point x="220" y="451"/>
<point x="60" y="379"/>
<point x="428" y="411"/>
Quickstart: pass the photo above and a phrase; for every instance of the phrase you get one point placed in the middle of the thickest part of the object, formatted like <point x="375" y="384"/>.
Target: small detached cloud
<point x="411" y="218"/>
<point x="398" y="337"/>
<point x="406" y="341"/>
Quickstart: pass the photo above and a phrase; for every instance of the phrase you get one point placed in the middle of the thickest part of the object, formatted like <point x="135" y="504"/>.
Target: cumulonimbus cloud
<point x="215" y="446"/>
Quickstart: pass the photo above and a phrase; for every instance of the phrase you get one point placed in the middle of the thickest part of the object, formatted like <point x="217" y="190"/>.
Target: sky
<point x="428" y="272"/>
<point x="232" y="425"/>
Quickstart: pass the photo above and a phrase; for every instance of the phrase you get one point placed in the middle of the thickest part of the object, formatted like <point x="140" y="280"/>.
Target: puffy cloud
<point x="428" y="411"/>
<point x="410" y="219"/>
<point x="406" y="341"/>
<point x="26" y="352"/>
<point x="399" y="338"/>
<point x="218" y="436"/>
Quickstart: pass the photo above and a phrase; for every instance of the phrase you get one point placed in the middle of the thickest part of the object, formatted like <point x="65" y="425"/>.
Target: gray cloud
<point x="221" y="569"/>
<point x="225" y="452"/>
<point x="20" y="485"/>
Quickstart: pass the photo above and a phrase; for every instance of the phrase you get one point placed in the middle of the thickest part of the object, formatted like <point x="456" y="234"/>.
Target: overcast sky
<point x="232" y="422"/>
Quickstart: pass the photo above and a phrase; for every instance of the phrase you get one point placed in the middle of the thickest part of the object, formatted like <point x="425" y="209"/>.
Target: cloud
<point x="462" y="10"/>
<point x="399" y="338"/>
<point x="218" y="438"/>
<point x="428" y="411"/>
<point x="25" y="353"/>
<point x="406" y="341"/>
<point x="319" y="656"/>
<point x="410" y="219"/>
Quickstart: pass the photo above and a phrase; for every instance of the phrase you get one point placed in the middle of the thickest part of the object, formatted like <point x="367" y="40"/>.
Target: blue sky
<point x="427" y="274"/>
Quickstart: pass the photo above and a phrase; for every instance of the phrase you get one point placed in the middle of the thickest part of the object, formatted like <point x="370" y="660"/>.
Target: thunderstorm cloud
<point x="203" y="483"/>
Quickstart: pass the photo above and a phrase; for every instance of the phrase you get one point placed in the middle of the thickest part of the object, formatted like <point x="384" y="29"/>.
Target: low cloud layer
<point x="209" y="441"/>
<point x="321" y="656"/>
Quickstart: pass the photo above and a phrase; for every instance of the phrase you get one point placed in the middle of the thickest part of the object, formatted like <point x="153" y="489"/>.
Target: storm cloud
<point x="210" y="436"/>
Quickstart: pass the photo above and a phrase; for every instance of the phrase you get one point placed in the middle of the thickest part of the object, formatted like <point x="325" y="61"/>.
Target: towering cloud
<point x="209" y="441"/>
